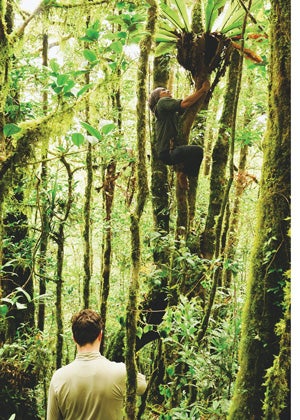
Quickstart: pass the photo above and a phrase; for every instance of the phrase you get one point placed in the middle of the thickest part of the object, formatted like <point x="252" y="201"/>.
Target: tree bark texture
<point x="271" y="249"/>
<point x="43" y="205"/>
<point x="87" y="256"/>
<point x="219" y="162"/>
<point x="132" y="306"/>
<point x="60" y="239"/>
<point x="108" y="195"/>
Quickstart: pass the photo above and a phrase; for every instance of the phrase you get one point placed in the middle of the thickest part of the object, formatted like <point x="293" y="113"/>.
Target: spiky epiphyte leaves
<point x="177" y="15"/>
<point x="203" y="53"/>
<point x="212" y="12"/>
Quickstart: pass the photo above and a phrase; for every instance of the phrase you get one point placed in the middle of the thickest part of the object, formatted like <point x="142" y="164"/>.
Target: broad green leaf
<point x="211" y="12"/>
<point x="91" y="130"/>
<point x="164" y="48"/>
<point x="11" y="129"/>
<point x="57" y="89"/>
<point x="61" y="149"/>
<point x="164" y="38"/>
<point x="95" y="25"/>
<point x="69" y="85"/>
<point x="89" y="55"/>
<point x="120" y="5"/>
<point x="77" y="139"/>
<point x="233" y="15"/>
<point x="107" y="128"/>
<point x="3" y="310"/>
<point x="138" y="18"/>
<point x="139" y="332"/>
<point x="122" y="35"/>
<point x="208" y="13"/>
<point x="92" y="34"/>
<point x="86" y="39"/>
<point x="169" y="33"/>
<point x="84" y="89"/>
<point x="62" y="79"/>
<point x="116" y="46"/>
<point x="54" y="65"/>
<point x="127" y="19"/>
<point x="181" y="6"/>
<point x="173" y="16"/>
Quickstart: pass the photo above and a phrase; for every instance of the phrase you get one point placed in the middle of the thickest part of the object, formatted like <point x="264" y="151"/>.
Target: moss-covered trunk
<point x="87" y="255"/>
<point x="219" y="161"/>
<point x="43" y="204"/>
<point x="60" y="239"/>
<point x="108" y="198"/>
<point x="232" y="236"/>
<point x="6" y="51"/>
<point x="271" y="250"/>
<point x="278" y="379"/>
<point x="132" y="306"/>
<point x="159" y="171"/>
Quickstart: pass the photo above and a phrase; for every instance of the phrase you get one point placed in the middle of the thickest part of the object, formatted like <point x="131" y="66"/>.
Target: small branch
<point x="19" y="32"/>
<point x="252" y="18"/>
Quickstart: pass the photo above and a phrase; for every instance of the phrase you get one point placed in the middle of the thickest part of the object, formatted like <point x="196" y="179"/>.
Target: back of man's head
<point x="154" y="98"/>
<point x="86" y="326"/>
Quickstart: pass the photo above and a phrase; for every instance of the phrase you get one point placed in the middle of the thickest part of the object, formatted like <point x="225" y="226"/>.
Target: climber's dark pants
<point x="189" y="157"/>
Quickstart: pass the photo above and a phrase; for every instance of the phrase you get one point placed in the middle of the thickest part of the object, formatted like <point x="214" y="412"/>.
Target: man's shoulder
<point x="168" y="104"/>
<point x="63" y="370"/>
<point x="114" y="365"/>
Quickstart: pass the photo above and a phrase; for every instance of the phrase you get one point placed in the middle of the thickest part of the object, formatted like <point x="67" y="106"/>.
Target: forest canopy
<point x="192" y="284"/>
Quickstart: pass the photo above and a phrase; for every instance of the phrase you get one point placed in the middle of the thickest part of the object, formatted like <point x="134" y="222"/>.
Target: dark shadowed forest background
<point x="193" y="285"/>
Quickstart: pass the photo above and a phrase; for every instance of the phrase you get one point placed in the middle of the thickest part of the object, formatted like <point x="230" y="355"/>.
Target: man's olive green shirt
<point x="89" y="388"/>
<point x="166" y="124"/>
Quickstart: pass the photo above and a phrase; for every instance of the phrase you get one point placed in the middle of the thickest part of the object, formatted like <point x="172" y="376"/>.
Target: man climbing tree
<point x="185" y="158"/>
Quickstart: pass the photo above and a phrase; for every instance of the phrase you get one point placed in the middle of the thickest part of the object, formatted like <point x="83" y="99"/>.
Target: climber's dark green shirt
<point x="166" y="124"/>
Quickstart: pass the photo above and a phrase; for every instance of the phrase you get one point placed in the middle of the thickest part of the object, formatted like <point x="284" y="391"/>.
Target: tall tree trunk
<point x="87" y="259"/>
<point x="271" y="250"/>
<point x="17" y="274"/>
<point x="60" y="239"/>
<point x="219" y="162"/>
<point x="108" y="198"/>
<point x="6" y="52"/>
<point x="198" y="139"/>
<point x="159" y="171"/>
<point x="132" y="306"/>
<point x="59" y="290"/>
<point x="278" y="379"/>
<point x="45" y="225"/>
<point x="233" y="229"/>
<point x="209" y="135"/>
<point x="216" y="278"/>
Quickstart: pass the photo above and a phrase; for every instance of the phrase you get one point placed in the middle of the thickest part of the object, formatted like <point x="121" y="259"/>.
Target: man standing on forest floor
<point x="91" y="387"/>
<point x="186" y="158"/>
